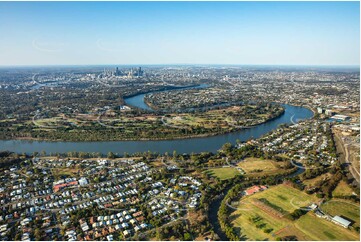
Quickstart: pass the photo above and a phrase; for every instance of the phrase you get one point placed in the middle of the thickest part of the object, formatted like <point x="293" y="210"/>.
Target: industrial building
<point x="341" y="221"/>
<point x="339" y="117"/>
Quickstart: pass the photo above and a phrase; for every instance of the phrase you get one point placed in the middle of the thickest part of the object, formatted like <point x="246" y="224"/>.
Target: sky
<point x="251" y="33"/>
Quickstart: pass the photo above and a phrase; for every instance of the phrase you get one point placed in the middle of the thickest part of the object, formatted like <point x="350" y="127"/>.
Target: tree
<point x="188" y="237"/>
<point x="182" y="171"/>
<point x="18" y="237"/>
<point x="37" y="234"/>
<point x="226" y="148"/>
<point x="110" y="155"/>
<point x="120" y="237"/>
<point x="159" y="234"/>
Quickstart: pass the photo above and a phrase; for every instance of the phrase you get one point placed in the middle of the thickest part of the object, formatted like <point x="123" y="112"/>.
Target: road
<point x="345" y="151"/>
<point x="353" y="170"/>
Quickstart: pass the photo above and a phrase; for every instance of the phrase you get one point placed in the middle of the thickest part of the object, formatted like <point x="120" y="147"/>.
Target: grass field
<point x="312" y="182"/>
<point x="252" y="220"/>
<point x="344" y="208"/>
<point x="285" y="197"/>
<point x="48" y="121"/>
<point x="224" y="172"/>
<point x="256" y="166"/>
<point x="321" y="229"/>
<point x="208" y="119"/>
<point x="157" y="163"/>
<point x="342" y="189"/>
<point x="216" y="118"/>
<point x="67" y="172"/>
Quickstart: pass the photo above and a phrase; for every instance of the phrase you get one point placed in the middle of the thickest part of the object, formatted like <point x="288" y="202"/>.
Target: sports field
<point x="321" y="229"/>
<point x="224" y="173"/>
<point x="286" y="197"/>
<point x="256" y="166"/>
<point x="257" y="222"/>
<point x="345" y="208"/>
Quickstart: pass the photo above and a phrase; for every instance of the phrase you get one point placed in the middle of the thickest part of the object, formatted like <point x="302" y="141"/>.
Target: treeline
<point x="97" y="132"/>
<point x="296" y="214"/>
<point x="8" y="159"/>
<point x="324" y="187"/>
<point x="109" y="155"/>
<point x="274" y="206"/>
<point x="224" y="214"/>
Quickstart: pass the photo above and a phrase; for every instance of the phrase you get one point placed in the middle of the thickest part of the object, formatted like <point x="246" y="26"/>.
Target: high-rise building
<point x="140" y="71"/>
<point x="117" y="72"/>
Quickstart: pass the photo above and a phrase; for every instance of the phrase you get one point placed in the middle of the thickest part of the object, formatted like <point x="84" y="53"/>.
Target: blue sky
<point x="259" y="33"/>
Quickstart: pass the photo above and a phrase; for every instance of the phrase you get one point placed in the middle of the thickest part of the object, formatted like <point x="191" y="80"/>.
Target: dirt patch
<point x="271" y="211"/>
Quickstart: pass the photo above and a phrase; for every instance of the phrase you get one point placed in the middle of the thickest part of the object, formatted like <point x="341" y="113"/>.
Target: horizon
<point x="180" y="33"/>
<point x="267" y="68"/>
<point x="181" y="64"/>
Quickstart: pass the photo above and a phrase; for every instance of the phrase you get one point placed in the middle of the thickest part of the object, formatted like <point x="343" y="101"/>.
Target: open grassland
<point x="217" y="118"/>
<point x="342" y="189"/>
<point x="209" y="119"/>
<point x="191" y="120"/>
<point x="64" y="172"/>
<point x="321" y="229"/>
<point x="157" y="163"/>
<point x="223" y="173"/>
<point x="256" y="166"/>
<point x="345" y="208"/>
<point x="312" y="182"/>
<point x="288" y="198"/>
<point x="242" y="219"/>
<point x="256" y="223"/>
<point x="285" y="197"/>
<point x="48" y="121"/>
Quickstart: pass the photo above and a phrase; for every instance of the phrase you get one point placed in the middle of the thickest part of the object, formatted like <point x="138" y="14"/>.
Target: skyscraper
<point x="117" y="72"/>
<point x="140" y="72"/>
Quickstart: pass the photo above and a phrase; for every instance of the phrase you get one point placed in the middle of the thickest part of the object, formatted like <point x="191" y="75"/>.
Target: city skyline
<point x="203" y="33"/>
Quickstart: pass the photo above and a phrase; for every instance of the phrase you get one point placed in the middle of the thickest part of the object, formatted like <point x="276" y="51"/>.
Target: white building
<point x="83" y="181"/>
<point x="341" y="221"/>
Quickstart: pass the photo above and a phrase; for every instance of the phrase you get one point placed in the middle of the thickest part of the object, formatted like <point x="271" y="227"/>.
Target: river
<point x="196" y="145"/>
<point x="138" y="100"/>
<point x="292" y="114"/>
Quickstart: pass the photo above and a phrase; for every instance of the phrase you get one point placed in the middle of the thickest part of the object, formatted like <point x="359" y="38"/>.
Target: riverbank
<point x="166" y="88"/>
<point x="117" y="138"/>
<point x="314" y="111"/>
<point x="137" y="100"/>
<point x="196" y="145"/>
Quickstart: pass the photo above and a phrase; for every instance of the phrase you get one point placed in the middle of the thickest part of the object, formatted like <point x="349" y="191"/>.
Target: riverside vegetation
<point x="112" y="124"/>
